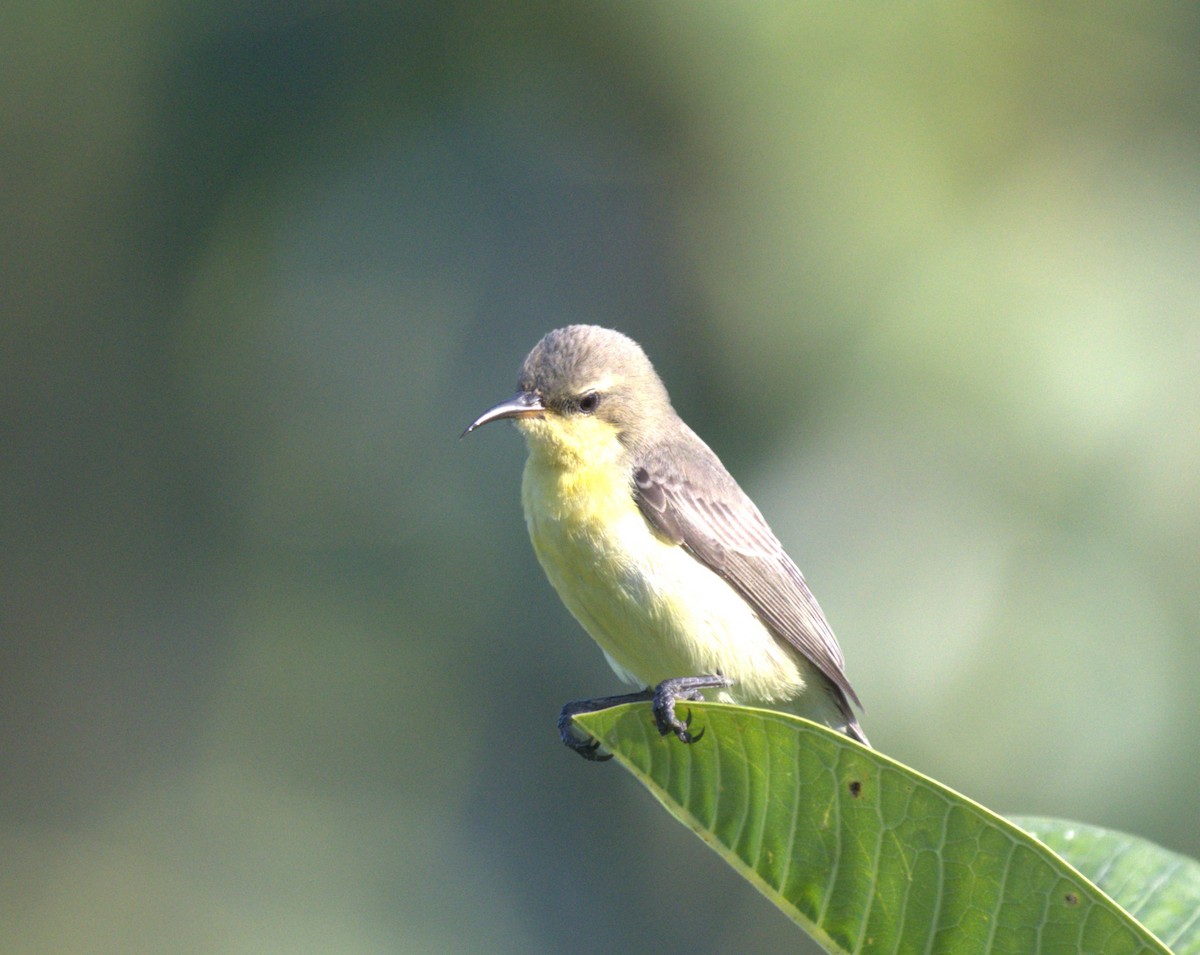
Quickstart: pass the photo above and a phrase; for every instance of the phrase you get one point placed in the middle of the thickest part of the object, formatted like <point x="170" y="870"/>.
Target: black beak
<point x="524" y="404"/>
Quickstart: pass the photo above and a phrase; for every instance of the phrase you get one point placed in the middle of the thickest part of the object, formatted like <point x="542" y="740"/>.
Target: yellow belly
<point x="655" y="610"/>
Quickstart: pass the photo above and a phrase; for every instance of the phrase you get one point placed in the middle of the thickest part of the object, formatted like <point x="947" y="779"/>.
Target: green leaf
<point x="864" y="853"/>
<point x="1161" y="889"/>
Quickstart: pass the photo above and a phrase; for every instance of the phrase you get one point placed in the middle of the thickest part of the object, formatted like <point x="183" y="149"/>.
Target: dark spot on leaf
<point x="1071" y="898"/>
<point x="855" y="789"/>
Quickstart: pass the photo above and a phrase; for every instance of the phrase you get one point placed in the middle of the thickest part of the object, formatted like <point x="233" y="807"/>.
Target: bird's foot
<point x="684" y="688"/>
<point x="585" y="746"/>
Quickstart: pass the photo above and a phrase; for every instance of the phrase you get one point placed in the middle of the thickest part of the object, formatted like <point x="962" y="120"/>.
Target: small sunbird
<point x="656" y="550"/>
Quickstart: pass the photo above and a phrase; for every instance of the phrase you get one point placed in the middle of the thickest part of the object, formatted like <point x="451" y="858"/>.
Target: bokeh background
<point x="279" y="670"/>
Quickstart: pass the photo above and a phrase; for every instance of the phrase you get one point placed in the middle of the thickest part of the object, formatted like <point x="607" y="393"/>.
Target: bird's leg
<point x="670" y="692"/>
<point x="664" y="697"/>
<point x="587" y="748"/>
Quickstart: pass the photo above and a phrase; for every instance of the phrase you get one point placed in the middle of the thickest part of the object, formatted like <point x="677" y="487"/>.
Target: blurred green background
<point x="280" y="671"/>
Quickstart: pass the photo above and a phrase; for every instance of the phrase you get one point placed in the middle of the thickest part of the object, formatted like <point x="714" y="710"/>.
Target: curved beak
<point x="524" y="404"/>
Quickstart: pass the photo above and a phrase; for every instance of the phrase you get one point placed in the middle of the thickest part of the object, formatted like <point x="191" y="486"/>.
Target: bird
<point x="656" y="550"/>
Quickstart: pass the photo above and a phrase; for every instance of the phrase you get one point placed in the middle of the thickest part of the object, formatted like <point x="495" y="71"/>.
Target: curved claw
<point x="682" y="728"/>
<point x="584" y="746"/>
<point x="670" y="692"/>
<point x="588" y="749"/>
<point x="668" y="722"/>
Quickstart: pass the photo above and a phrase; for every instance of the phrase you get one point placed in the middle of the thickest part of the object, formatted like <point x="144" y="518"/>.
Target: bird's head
<point x="585" y="392"/>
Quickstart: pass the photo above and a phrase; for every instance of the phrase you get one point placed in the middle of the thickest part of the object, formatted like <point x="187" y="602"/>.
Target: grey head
<point x="589" y="370"/>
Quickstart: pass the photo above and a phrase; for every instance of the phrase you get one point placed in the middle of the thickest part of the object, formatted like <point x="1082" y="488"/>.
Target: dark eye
<point x="589" y="402"/>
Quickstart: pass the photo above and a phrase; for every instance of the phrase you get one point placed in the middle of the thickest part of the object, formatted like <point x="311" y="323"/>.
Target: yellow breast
<point x="655" y="610"/>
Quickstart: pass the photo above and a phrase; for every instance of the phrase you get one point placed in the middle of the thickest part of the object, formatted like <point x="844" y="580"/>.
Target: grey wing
<point x="714" y="519"/>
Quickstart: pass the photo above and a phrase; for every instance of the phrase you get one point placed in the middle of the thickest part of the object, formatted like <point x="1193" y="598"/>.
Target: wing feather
<point x="686" y="493"/>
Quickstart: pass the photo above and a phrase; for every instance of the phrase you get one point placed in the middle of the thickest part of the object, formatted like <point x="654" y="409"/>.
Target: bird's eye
<point x="589" y="402"/>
